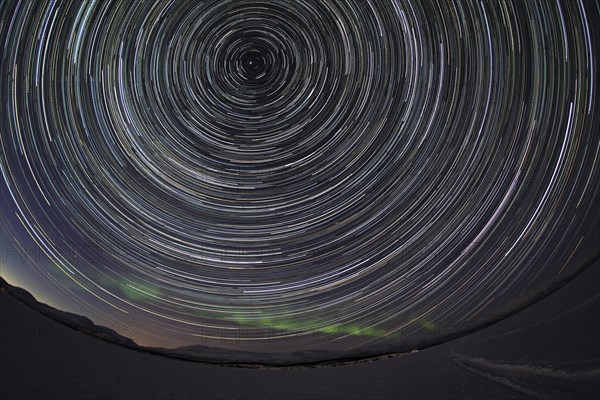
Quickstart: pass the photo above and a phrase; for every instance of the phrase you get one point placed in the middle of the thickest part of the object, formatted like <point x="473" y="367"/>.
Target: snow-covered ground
<point x="549" y="350"/>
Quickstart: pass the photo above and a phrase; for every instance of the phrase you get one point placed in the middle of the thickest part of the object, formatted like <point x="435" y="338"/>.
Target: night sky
<point x="267" y="175"/>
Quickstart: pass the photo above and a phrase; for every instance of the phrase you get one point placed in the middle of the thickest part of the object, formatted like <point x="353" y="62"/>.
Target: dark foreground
<point x="551" y="350"/>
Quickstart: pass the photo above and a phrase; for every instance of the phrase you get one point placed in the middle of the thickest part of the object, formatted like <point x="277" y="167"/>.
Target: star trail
<point x="364" y="170"/>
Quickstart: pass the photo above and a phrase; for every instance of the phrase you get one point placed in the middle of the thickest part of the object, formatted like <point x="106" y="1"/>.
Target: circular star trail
<point x="365" y="170"/>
